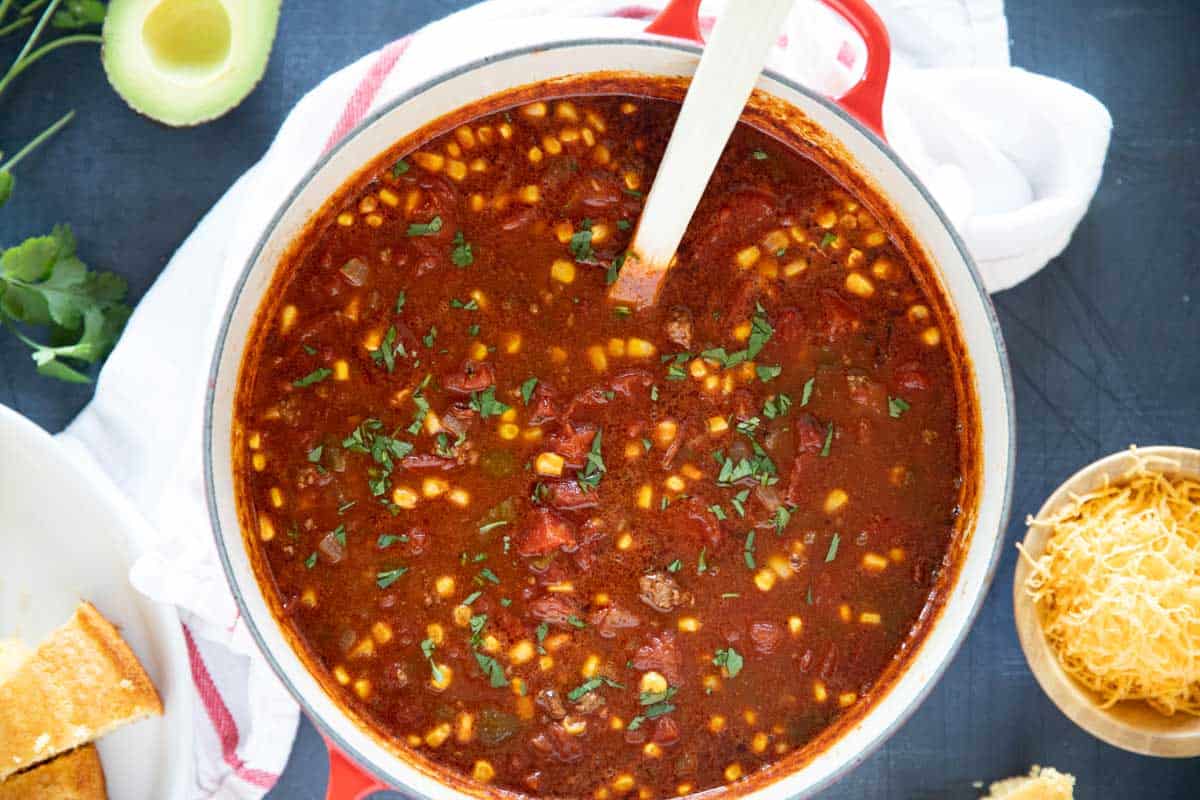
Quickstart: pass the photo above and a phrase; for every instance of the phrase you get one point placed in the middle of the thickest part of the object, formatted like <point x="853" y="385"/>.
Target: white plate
<point x="64" y="538"/>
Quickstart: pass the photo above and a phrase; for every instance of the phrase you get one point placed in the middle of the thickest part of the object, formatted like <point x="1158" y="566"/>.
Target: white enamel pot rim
<point x="979" y="330"/>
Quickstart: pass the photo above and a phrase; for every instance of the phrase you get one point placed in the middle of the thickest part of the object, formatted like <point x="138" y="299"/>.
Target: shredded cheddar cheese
<point x="1118" y="589"/>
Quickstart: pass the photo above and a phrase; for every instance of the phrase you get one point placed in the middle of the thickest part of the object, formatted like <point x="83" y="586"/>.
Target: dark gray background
<point x="1103" y="341"/>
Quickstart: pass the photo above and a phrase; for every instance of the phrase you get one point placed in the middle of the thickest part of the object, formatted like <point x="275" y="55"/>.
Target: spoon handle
<point x="728" y="70"/>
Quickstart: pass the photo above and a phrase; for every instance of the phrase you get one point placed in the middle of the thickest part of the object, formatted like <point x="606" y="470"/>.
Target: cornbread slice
<point x="80" y="683"/>
<point x="1042" y="783"/>
<point x="76" y="775"/>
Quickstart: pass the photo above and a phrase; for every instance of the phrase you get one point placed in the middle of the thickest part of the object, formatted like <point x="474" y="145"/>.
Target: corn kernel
<point x="764" y="579"/>
<point x="781" y="566"/>
<point x="552" y="145"/>
<point x="434" y="487"/>
<point x="558" y="355"/>
<point x="309" y="598"/>
<point x="453" y="150"/>
<point x="591" y="665"/>
<point x="568" y="135"/>
<point x="341" y="676"/>
<point x="362" y="688"/>
<point x="276" y="497"/>
<point x="633" y="451"/>
<point x="616" y="723"/>
<point x="652" y="683"/>
<point x="857" y="284"/>
<point x="716" y="723"/>
<point x="682" y="789"/>
<point x="341" y="370"/>
<point x="266" y="530"/>
<point x="345" y="219"/>
<point x="404" y="497"/>
<point x="601" y="155"/>
<point x="874" y="562"/>
<point x="287" y="318"/>
<point x="639" y="348"/>
<point x="794" y="268"/>
<point x="438" y="735"/>
<point x="820" y="693"/>
<point x="459" y="497"/>
<point x="827" y="218"/>
<point x="741" y="331"/>
<point x="522" y="652"/>
<point x="483" y="771"/>
<point x="748" y="256"/>
<point x="477" y="351"/>
<point x="759" y="743"/>
<point x="846" y="699"/>
<point x="531" y="434"/>
<point x="869" y="618"/>
<point x="535" y="110"/>
<point x="836" y="500"/>
<point x="674" y="483"/>
<point x="478" y="165"/>
<point x="461" y="615"/>
<point x="549" y="464"/>
<point x="689" y="624"/>
<point x="562" y="271"/>
<point x="697" y="368"/>
<point x="413" y="740"/>
<point x="506" y="130"/>
<point x="576" y="726"/>
<point x="625" y="541"/>
<point x="775" y="241"/>
<point x="545" y="663"/>
<point x="645" y="496"/>
<point x="444" y="585"/>
<point x="896" y="554"/>
<point x="795" y="625"/>
<point x="535" y="155"/>
<point x="509" y="431"/>
<point x="477" y="202"/>
<point x="598" y="359"/>
<point x="510" y="343"/>
<point x="456" y="169"/>
<point x="931" y="337"/>
<point x="365" y="648"/>
<point x="434" y="630"/>
<point x="844" y="612"/>
<point x="563" y="231"/>
<point x="623" y="783"/>
<point x="733" y="772"/>
<point x="664" y="432"/>
<point x="616" y="347"/>
<point x="430" y="161"/>
<point x="589" y="138"/>
<point x="874" y="238"/>
<point x="918" y="313"/>
<point x="651" y="750"/>
<point x="440" y="679"/>
<point x="530" y="194"/>
<point x="411" y="199"/>
<point x="490" y="644"/>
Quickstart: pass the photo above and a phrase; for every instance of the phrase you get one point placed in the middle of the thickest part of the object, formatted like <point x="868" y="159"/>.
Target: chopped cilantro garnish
<point x="828" y="441"/>
<point x="486" y="574"/>
<point x="777" y="406"/>
<point x="316" y="376"/>
<point x="767" y="372"/>
<point x="748" y="551"/>
<point x="400" y="301"/>
<point x="314" y="455"/>
<point x="425" y="228"/>
<point x="806" y="394"/>
<point x="581" y="241"/>
<point x="576" y="622"/>
<point x="399" y="168"/>
<point x="527" y="389"/>
<point x="386" y="578"/>
<point x="730" y="659"/>
<point x="718" y="512"/>
<point x="386" y="540"/>
<point x="622" y="311"/>
<point x="388" y="350"/>
<point x="624" y="225"/>
<point x="461" y="255"/>
<point x="491" y="526"/>
<point x="486" y="404"/>
<point x="589" y="477"/>
<point x="472" y="597"/>
<point x="897" y="406"/>
<point x="738" y="501"/>
<point x="492" y="669"/>
<point x="828" y="239"/>
<point x="311" y="561"/>
<point x="430" y="337"/>
<point x="831" y="553"/>
<point x="675" y="566"/>
<point x="473" y="329"/>
<point x="614" y="269"/>
<point x="783" y="515"/>
<point x="759" y="155"/>
<point x="702" y="561"/>
<point x="470" y="305"/>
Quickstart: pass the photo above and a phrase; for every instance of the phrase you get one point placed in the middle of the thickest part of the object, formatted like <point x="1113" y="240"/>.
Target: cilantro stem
<point x="22" y="64"/>
<point x="15" y="25"/>
<point x="33" y="37"/>
<point x="37" y="140"/>
<point x="4" y="6"/>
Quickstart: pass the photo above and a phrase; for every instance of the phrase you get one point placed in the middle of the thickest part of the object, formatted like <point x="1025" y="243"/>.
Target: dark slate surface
<point x="1103" y="341"/>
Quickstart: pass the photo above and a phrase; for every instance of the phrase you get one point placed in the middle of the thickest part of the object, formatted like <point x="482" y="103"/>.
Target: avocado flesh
<point x="183" y="62"/>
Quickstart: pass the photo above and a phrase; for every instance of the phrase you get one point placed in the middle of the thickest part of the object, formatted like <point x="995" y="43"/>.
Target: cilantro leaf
<point x="730" y="659"/>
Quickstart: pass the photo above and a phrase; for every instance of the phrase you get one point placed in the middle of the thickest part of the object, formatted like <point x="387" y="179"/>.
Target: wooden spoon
<point x="732" y="61"/>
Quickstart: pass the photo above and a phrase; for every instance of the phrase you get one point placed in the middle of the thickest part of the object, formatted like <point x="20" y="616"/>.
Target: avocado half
<point x="183" y="62"/>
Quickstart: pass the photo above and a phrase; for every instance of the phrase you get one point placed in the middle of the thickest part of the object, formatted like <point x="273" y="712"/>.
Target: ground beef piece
<point x="659" y="591"/>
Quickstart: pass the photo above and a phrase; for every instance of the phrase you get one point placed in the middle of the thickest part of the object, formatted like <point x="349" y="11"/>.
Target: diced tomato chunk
<point x="568" y="496"/>
<point x="545" y="532"/>
<point x="660" y="652"/>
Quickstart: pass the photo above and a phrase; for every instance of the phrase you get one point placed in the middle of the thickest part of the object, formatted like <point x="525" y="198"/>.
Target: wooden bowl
<point x="1132" y="725"/>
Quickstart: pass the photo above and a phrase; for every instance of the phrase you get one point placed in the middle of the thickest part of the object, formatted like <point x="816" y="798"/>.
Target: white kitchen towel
<point x="1013" y="157"/>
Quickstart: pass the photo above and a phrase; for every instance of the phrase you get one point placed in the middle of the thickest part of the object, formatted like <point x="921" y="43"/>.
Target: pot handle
<point x="864" y="100"/>
<point x="347" y="780"/>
